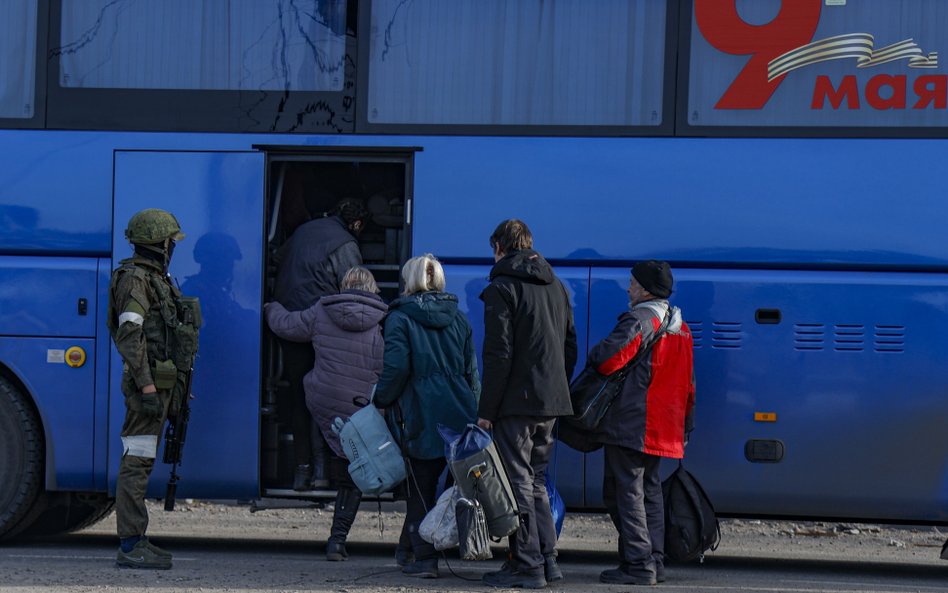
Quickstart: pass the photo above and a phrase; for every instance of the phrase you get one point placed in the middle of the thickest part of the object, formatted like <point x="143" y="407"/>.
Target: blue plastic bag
<point x="473" y="440"/>
<point x="557" y="506"/>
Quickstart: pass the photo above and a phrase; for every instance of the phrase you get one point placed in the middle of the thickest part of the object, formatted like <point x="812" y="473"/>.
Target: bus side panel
<point x="53" y="196"/>
<point x="64" y="397"/>
<point x="852" y="369"/>
<point x="48" y="305"/>
<point x="709" y="200"/>
<point x="467" y="282"/>
<point x="218" y="199"/>
<point x="47" y="296"/>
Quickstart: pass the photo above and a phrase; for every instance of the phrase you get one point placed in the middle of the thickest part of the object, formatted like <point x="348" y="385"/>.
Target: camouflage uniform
<point x="155" y="332"/>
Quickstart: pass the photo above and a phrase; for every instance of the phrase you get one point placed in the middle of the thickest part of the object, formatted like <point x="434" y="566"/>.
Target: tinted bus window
<point x="203" y="44"/>
<point x="530" y="62"/>
<point x="17" y="59"/>
<point x="871" y="63"/>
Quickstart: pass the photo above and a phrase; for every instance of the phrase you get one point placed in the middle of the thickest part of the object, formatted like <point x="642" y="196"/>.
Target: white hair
<point x="422" y="273"/>
<point x="359" y="278"/>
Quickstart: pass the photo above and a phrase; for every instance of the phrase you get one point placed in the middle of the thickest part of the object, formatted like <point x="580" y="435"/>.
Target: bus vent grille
<point x="890" y="338"/>
<point x="697" y="332"/>
<point x="808" y="336"/>
<point x="849" y="337"/>
<point x="726" y="334"/>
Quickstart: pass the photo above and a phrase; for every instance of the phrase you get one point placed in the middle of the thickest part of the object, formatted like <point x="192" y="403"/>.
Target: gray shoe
<point x="625" y="576"/>
<point x="158" y="551"/>
<point x="142" y="556"/>
<point x="508" y="578"/>
<point x="423" y="569"/>
<point x="551" y="570"/>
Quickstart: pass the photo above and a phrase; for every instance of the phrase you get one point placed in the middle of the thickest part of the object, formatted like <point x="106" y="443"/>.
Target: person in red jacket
<point x="647" y="421"/>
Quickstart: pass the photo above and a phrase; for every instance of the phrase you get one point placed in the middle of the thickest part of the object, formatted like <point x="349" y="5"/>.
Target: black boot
<point x="344" y="513"/>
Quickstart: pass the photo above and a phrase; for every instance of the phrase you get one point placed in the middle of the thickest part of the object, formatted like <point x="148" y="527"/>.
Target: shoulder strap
<point x="647" y="347"/>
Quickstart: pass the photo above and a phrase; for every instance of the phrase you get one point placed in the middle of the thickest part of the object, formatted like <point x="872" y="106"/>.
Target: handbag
<point x="472" y="530"/>
<point x="439" y="527"/>
<point x="592" y="392"/>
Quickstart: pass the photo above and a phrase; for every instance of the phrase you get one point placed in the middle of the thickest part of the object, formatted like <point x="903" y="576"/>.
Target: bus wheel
<point x="21" y="457"/>
<point x="69" y="511"/>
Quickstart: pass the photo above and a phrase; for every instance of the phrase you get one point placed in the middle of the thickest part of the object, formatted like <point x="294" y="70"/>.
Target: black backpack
<point x="691" y="527"/>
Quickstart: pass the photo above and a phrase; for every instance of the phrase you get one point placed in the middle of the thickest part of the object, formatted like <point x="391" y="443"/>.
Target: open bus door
<point x="218" y="198"/>
<point x="306" y="182"/>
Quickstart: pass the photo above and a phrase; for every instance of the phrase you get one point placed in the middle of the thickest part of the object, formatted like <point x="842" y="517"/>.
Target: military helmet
<point x="152" y="226"/>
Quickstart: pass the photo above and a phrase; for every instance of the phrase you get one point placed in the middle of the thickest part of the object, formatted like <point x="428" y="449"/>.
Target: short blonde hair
<point x="422" y="273"/>
<point x="358" y="278"/>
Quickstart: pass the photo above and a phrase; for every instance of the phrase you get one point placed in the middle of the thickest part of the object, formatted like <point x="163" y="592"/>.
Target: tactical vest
<point x="170" y="325"/>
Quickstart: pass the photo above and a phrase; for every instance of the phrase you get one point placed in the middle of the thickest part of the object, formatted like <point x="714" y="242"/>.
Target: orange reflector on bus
<point x="765" y="416"/>
<point x="75" y="357"/>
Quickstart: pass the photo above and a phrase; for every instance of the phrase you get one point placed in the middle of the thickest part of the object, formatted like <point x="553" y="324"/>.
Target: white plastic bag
<point x="439" y="526"/>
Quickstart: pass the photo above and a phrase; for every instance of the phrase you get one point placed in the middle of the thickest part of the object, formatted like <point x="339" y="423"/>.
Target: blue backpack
<point x="375" y="460"/>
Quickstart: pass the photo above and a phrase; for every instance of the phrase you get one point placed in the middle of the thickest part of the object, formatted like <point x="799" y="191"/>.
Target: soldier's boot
<point x="142" y="556"/>
<point x="158" y="551"/>
<point x="343" y="515"/>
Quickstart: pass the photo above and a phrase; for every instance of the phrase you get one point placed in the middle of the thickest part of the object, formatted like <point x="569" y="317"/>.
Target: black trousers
<point x="422" y="496"/>
<point x="298" y="359"/>
<point x="526" y="444"/>
<point x="632" y="492"/>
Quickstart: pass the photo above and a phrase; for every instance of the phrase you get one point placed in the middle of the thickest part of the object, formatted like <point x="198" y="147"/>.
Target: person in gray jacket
<point x="346" y="335"/>
<point x="311" y="264"/>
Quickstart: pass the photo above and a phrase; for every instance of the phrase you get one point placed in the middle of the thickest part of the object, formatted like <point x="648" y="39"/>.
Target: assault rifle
<point x="175" y="433"/>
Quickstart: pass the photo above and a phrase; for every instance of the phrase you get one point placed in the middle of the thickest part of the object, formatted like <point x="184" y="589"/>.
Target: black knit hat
<point x="654" y="276"/>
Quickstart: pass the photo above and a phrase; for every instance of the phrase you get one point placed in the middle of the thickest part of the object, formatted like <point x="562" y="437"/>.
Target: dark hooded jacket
<point x="430" y="371"/>
<point x="529" y="340"/>
<point x="313" y="262"/>
<point x="346" y="335"/>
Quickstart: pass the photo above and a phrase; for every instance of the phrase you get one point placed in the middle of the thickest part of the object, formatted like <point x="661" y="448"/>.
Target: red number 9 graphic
<point x="723" y="28"/>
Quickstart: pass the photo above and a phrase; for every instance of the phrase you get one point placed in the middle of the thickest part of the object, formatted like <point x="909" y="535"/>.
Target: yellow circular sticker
<point x="75" y="357"/>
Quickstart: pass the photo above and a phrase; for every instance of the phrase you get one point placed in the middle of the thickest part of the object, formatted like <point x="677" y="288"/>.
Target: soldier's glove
<point x="150" y="405"/>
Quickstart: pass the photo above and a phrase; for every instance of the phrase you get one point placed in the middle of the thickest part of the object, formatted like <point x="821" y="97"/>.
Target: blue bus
<point x="782" y="156"/>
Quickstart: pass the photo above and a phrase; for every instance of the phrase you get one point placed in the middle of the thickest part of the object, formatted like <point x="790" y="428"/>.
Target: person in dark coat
<point x="529" y="355"/>
<point x="310" y="265"/>
<point x="346" y="337"/>
<point x="647" y="421"/>
<point x="429" y="378"/>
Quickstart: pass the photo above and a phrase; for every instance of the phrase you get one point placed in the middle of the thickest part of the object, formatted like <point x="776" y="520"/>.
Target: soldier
<point x="155" y="330"/>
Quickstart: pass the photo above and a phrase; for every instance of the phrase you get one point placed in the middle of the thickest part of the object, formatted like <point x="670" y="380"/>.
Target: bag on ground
<point x="375" y="461"/>
<point x="691" y="527"/>
<point x="479" y="474"/>
<point x="472" y="530"/>
<point x="440" y="527"/>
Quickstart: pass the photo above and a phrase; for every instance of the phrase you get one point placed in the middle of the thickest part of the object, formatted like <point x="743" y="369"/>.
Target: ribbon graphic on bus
<point x="852" y="45"/>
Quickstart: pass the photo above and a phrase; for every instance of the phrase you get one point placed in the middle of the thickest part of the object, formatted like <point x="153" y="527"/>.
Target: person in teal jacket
<point x="429" y="377"/>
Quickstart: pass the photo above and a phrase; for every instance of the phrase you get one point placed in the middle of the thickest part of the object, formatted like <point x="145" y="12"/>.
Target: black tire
<point x="67" y="511"/>
<point x="21" y="457"/>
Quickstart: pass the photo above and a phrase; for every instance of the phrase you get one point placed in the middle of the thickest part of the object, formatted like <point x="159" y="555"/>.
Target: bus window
<point x="183" y="45"/>
<point x="527" y="63"/>
<point x="17" y="59"/>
